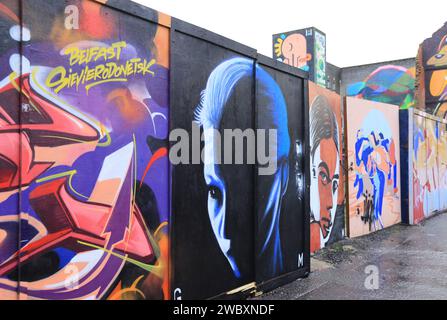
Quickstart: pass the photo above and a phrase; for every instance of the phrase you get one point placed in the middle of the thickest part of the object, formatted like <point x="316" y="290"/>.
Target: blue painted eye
<point x="215" y="193"/>
<point x="439" y="56"/>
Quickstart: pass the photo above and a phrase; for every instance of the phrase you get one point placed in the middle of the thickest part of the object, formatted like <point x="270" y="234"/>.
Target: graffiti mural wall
<point x="92" y="83"/>
<point x="10" y="216"/>
<point x="429" y="166"/>
<point x="87" y="209"/>
<point x="429" y="128"/>
<point x="442" y="165"/>
<point x="433" y="76"/>
<point x="372" y="130"/>
<point x="419" y="168"/>
<point x="391" y="84"/>
<point x="327" y="215"/>
<point x="434" y="52"/>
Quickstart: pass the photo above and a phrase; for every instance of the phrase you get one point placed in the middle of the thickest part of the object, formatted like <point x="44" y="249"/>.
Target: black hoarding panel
<point x="282" y="245"/>
<point x="231" y="225"/>
<point x="212" y="232"/>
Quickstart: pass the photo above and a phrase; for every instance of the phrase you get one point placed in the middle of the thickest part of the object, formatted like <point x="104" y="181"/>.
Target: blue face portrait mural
<point x="239" y="204"/>
<point x="208" y="114"/>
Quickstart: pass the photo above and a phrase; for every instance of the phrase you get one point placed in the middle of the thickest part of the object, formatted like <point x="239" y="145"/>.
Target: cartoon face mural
<point x="373" y="156"/>
<point x="327" y="190"/>
<point x="92" y="130"/>
<point x="293" y="50"/>
<point x="388" y="84"/>
<point x="209" y="114"/>
<point x="304" y="49"/>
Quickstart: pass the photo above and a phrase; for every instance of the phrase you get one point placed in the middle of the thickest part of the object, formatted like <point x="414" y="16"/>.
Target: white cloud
<point x="358" y="32"/>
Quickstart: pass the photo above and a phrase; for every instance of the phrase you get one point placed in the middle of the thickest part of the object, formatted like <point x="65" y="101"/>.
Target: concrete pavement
<point x="404" y="262"/>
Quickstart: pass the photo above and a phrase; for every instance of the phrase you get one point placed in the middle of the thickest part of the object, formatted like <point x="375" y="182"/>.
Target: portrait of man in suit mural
<point x="272" y="115"/>
<point x="325" y="171"/>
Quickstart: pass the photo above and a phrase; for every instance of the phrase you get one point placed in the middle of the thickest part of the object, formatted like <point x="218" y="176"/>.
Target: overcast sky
<point x="358" y="32"/>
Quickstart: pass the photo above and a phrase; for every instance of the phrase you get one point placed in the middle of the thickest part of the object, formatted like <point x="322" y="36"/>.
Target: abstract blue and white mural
<point x="374" y="160"/>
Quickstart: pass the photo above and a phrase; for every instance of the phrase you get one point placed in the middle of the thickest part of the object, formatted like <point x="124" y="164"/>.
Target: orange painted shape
<point x="314" y="237"/>
<point x="438" y="82"/>
<point x="105" y="192"/>
<point x="94" y="22"/>
<point x="131" y="109"/>
<point x="8" y="12"/>
<point x="3" y="235"/>
<point x="161" y="40"/>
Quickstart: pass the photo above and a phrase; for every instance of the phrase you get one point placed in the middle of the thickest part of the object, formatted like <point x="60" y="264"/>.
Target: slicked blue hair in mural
<point x="219" y="88"/>
<point x="272" y="114"/>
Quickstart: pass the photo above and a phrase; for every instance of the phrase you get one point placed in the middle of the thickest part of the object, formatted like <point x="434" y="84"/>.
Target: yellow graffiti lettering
<point x="84" y="56"/>
<point x="59" y="78"/>
<point x="111" y="70"/>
